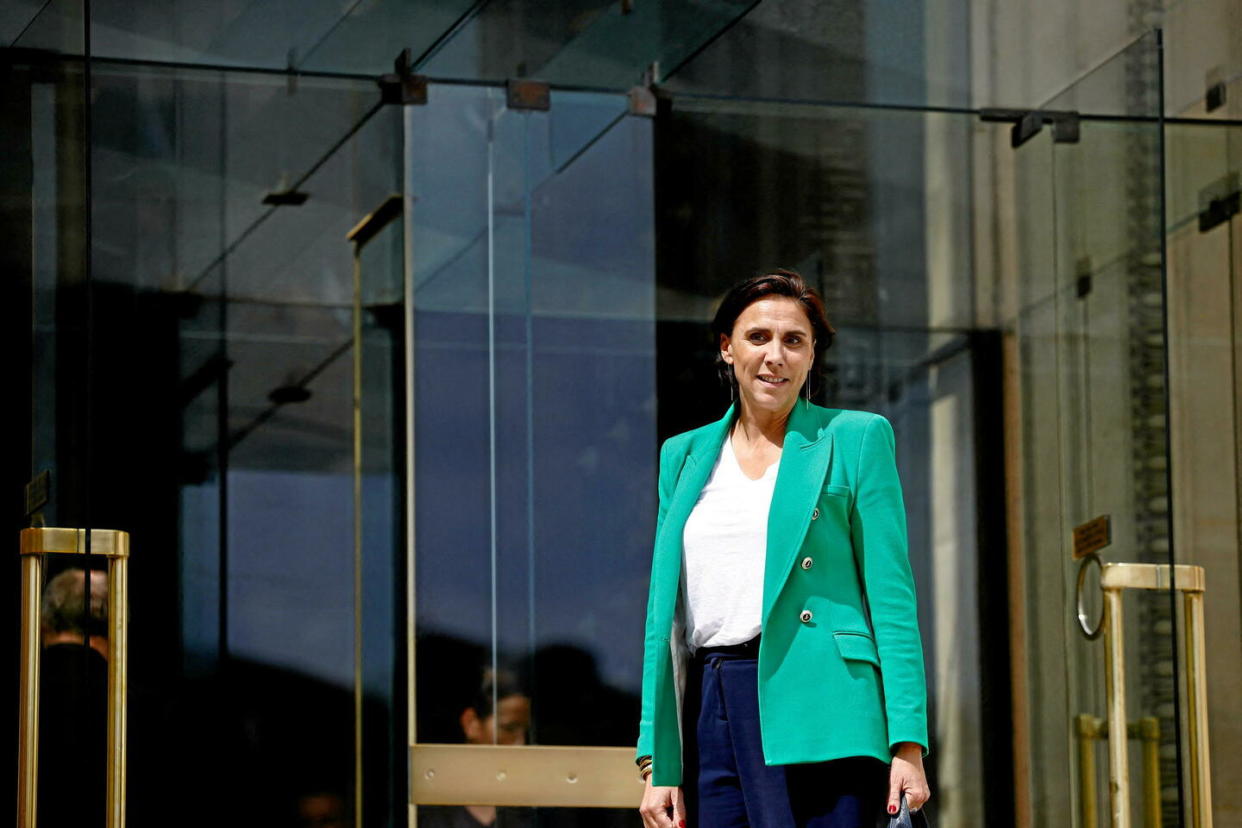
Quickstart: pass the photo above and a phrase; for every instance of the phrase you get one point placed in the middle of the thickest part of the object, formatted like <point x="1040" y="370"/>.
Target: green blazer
<point x="840" y="660"/>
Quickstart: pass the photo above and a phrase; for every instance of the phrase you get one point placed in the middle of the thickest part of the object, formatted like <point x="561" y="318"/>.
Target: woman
<point x="781" y="639"/>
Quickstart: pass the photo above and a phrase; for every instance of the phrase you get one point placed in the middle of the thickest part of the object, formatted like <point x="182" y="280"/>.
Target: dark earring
<point x="732" y="383"/>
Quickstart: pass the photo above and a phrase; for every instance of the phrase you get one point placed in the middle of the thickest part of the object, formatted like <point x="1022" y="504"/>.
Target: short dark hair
<point x="498" y="685"/>
<point x="779" y="282"/>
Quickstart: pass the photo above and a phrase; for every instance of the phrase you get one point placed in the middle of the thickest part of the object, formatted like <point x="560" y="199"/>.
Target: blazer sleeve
<point x="655" y="641"/>
<point x="878" y="533"/>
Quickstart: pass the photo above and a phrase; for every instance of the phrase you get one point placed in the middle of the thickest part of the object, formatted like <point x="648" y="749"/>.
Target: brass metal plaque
<point x="38" y="492"/>
<point x="570" y="777"/>
<point x="1092" y="536"/>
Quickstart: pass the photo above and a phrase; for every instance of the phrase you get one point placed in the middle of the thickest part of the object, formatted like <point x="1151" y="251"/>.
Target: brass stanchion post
<point x="1115" y="680"/>
<point x="1087" y="730"/>
<point x="1196" y="708"/>
<point x="28" y="728"/>
<point x="1188" y="580"/>
<point x="118" y="661"/>
<point x="1149" y="735"/>
<point x="110" y="544"/>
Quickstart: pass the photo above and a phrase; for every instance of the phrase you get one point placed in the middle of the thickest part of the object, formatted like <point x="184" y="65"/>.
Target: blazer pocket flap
<point x="857" y="646"/>
<point x="837" y="491"/>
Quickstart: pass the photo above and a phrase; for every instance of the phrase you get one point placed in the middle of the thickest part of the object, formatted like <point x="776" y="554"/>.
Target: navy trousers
<point x="725" y="781"/>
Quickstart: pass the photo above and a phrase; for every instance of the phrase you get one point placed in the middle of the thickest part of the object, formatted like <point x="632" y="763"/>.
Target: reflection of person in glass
<point x="786" y="519"/>
<point x="499" y="714"/>
<point x="73" y="701"/>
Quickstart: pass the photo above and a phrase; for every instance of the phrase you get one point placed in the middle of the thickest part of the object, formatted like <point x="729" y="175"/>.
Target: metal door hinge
<point x="643" y="101"/>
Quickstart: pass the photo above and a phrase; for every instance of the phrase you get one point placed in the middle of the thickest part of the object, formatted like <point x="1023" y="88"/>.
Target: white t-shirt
<point x="725" y="543"/>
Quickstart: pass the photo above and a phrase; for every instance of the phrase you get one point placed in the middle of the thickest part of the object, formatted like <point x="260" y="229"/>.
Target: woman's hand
<point x="906" y="775"/>
<point x="662" y="807"/>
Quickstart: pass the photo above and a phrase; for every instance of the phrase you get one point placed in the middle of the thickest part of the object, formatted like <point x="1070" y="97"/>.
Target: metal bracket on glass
<point x="104" y="543"/>
<point x="1214" y="96"/>
<point x="528" y="94"/>
<point x="1190" y="582"/>
<point x="1028" y="122"/>
<point x="1219" y="201"/>
<point x="286" y="198"/>
<point x="643" y="101"/>
<point x="402" y="86"/>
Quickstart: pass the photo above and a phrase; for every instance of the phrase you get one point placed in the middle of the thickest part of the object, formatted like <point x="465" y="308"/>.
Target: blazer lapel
<point x="698" y="468"/>
<point x="804" y="462"/>
<point x="694" y="476"/>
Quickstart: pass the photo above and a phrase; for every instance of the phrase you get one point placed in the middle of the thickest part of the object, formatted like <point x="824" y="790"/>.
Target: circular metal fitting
<point x="1092" y="632"/>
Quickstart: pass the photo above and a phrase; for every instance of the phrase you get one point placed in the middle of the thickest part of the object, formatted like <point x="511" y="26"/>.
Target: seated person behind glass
<point x="73" y="701"/>
<point x="482" y="725"/>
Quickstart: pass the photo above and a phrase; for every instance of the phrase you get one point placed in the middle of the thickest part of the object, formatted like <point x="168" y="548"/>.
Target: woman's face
<point x="771" y="350"/>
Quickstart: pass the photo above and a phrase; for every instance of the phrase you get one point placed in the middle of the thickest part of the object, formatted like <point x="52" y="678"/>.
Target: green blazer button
<point x="806" y="616"/>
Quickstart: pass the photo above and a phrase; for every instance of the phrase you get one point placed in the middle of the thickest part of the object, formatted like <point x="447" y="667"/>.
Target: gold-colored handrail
<point x="1190" y="581"/>
<point x="113" y="545"/>
<point x="1089" y="729"/>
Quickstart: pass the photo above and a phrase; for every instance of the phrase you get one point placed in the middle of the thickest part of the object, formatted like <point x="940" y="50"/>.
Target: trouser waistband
<point x="747" y="649"/>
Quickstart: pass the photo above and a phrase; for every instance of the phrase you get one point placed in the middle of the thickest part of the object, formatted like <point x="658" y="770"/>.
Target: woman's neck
<point x="755" y="426"/>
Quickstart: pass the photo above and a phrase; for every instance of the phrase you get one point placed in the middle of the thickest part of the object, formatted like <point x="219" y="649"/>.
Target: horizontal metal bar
<point x="110" y="543"/>
<point x="578" y="777"/>
<point x="1184" y="577"/>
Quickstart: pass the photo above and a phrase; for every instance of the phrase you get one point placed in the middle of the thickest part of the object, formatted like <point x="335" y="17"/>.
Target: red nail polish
<point x="892" y="809"/>
<point x="681" y="824"/>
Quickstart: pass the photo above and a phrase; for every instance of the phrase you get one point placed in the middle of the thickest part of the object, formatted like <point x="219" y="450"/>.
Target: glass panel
<point x="218" y="345"/>
<point x="604" y="45"/>
<point x="307" y="35"/>
<point x="591" y="43"/>
<point x="1096" y="437"/>
<point x="1200" y="52"/>
<point x="1204" y="276"/>
<point x="1039" y="673"/>
<point x="57" y="26"/>
<point x="49" y="318"/>
<point x="381" y="559"/>
<point x="878" y="52"/>
<point x="534" y="406"/>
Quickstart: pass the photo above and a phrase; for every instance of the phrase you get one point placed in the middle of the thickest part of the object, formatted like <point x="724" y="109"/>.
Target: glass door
<point x="1205" y="275"/>
<point x="534" y="445"/>
<point x="188" y="315"/>
<point x="1100" y="650"/>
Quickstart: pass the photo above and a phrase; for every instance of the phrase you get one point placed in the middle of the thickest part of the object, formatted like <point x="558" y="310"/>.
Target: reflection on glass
<point x="494" y="708"/>
<point x="534" y="404"/>
<point x="878" y="51"/>
<point x="1090" y="330"/>
<point x="592" y="43"/>
<point x="73" y="702"/>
